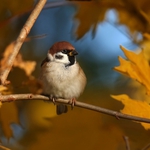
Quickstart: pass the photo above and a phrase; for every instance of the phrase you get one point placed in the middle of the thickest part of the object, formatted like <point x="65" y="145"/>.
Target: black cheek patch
<point x="58" y="56"/>
<point x="72" y="60"/>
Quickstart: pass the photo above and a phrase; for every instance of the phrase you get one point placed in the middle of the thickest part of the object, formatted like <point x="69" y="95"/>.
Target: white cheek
<point x="50" y="57"/>
<point x="64" y="60"/>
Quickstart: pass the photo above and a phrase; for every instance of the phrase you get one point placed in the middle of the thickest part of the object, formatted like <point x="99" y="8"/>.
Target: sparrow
<point x="61" y="75"/>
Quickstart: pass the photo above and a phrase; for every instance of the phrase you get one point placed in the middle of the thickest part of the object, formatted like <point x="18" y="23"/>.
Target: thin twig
<point x="118" y="115"/>
<point x="146" y="147"/>
<point x="54" y="4"/>
<point x="3" y="147"/>
<point x="126" y="139"/>
<point x="22" y="36"/>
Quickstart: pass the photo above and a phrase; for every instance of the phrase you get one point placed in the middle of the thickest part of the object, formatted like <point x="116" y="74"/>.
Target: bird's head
<point x="62" y="52"/>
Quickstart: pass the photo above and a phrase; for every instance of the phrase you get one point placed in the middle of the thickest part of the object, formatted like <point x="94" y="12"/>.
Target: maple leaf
<point x="134" y="107"/>
<point x="137" y="67"/>
<point x="14" y="8"/>
<point x="5" y="90"/>
<point x="94" y="13"/>
<point x="145" y="43"/>
<point x="9" y="114"/>
<point x="27" y="66"/>
<point x="134" y="14"/>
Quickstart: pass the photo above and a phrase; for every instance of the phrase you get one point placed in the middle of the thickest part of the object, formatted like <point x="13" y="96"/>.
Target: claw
<point x="72" y="102"/>
<point x="53" y="99"/>
<point x="116" y="115"/>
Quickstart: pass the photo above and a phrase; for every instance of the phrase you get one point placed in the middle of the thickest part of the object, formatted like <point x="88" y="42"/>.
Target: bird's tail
<point x="60" y="108"/>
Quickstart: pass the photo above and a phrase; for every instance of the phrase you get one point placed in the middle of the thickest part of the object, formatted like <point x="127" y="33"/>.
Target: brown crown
<point x="59" y="46"/>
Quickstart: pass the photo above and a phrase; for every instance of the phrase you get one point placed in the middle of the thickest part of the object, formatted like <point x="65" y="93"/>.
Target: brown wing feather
<point x="44" y="61"/>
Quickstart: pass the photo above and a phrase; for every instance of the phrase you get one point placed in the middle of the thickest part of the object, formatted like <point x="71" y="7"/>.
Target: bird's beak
<point x="73" y="53"/>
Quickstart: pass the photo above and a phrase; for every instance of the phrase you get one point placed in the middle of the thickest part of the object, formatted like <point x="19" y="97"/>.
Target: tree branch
<point x="118" y="115"/>
<point x="22" y="36"/>
<point x="126" y="139"/>
<point x="3" y="147"/>
<point x="146" y="147"/>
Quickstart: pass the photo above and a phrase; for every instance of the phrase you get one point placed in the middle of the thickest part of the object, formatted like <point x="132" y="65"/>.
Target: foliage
<point x="141" y="108"/>
<point x="42" y="124"/>
<point x="133" y="14"/>
<point x="136" y="67"/>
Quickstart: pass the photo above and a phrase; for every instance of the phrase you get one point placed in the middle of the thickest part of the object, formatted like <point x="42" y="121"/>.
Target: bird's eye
<point x="58" y="56"/>
<point x="64" y="51"/>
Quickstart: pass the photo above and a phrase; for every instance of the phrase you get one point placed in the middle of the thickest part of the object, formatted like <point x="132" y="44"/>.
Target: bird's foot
<point x="53" y="99"/>
<point x="72" y="102"/>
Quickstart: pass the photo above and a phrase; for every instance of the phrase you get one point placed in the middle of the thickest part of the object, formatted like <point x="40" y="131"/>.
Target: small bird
<point x="61" y="75"/>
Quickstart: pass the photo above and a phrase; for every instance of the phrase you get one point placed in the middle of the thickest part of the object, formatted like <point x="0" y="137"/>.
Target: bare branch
<point x="3" y="147"/>
<point x="118" y="115"/>
<point x="22" y="36"/>
<point x="146" y="147"/>
<point x="53" y="4"/>
<point x="126" y="139"/>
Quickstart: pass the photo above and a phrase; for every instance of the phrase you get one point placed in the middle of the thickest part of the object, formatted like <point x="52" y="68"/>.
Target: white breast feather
<point x="61" y="81"/>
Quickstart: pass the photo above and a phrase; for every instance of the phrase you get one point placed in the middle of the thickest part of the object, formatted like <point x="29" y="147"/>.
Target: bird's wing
<point x="44" y="61"/>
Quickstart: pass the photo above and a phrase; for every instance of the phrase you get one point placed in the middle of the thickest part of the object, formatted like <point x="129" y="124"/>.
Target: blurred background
<point x="96" y="29"/>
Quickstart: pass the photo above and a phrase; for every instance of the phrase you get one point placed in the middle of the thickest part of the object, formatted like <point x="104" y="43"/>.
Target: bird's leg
<point x="52" y="98"/>
<point x="72" y="102"/>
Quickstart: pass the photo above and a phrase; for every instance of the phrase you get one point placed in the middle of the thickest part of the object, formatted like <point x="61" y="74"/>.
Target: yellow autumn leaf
<point x="42" y="114"/>
<point x="0" y="104"/>
<point x="94" y="13"/>
<point x="16" y="8"/>
<point x="27" y="66"/>
<point x="5" y="90"/>
<point x="139" y="91"/>
<point x="146" y="35"/>
<point x="136" y="67"/>
<point x="134" y="107"/>
<point x="8" y="115"/>
<point x="2" y="88"/>
<point x="146" y="45"/>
